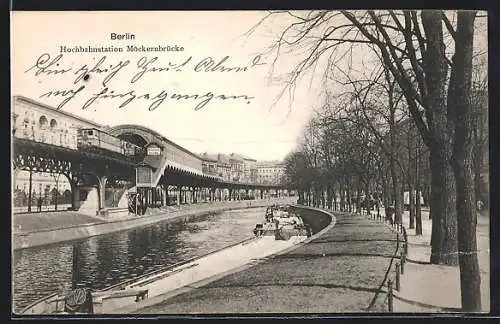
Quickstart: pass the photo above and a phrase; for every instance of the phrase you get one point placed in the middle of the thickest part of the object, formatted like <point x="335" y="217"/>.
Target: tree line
<point x="405" y="109"/>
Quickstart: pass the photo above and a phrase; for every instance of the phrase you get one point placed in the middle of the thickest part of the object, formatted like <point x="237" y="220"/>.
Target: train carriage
<point x="95" y="138"/>
<point x="130" y="149"/>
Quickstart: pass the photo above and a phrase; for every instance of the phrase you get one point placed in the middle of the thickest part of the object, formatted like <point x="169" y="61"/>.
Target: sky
<point x="257" y="127"/>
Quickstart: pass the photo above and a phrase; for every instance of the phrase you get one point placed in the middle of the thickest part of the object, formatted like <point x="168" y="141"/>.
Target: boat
<point x="282" y="222"/>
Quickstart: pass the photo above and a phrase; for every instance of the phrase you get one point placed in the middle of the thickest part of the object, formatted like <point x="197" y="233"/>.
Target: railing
<point x="45" y="208"/>
<point x="397" y="263"/>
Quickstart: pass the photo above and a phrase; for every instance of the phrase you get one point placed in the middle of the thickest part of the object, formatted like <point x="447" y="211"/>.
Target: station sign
<point x="154" y="150"/>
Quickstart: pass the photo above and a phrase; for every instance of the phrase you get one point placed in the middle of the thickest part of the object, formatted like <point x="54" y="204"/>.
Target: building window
<point x="43" y="122"/>
<point x="53" y="124"/>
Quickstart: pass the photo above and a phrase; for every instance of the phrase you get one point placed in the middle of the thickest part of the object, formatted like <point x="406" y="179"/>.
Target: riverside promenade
<point x="36" y="229"/>
<point x="343" y="268"/>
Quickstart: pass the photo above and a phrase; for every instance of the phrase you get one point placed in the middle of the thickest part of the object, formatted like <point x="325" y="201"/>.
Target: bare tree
<point x="459" y="100"/>
<point x="479" y="98"/>
<point x="416" y="49"/>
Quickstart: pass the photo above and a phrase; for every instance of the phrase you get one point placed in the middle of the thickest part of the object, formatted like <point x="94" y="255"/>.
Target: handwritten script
<point x="49" y="67"/>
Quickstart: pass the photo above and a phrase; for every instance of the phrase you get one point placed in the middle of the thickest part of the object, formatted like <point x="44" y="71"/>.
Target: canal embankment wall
<point x="317" y="219"/>
<point x="78" y="232"/>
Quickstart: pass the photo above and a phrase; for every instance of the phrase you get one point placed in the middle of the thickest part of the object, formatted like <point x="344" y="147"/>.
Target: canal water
<point x="102" y="261"/>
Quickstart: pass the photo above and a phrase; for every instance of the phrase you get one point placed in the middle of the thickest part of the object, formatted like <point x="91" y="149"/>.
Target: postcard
<point x="249" y="162"/>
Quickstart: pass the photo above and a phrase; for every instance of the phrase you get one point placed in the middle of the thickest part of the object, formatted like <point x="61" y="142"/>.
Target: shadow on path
<point x="351" y="240"/>
<point x="310" y="256"/>
<point x="324" y="285"/>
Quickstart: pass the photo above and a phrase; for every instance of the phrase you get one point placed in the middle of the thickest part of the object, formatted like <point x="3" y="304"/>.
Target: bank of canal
<point x="343" y="269"/>
<point x="109" y="259"/>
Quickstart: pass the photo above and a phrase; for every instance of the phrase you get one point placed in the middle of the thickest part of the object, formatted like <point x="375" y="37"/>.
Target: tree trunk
<point x="342" y="197"/>
<point x="411" y="187"/>
<point x="470" y="280"/>
<point x="315" y="196"/>
<point x="478" y="159"/>
<point x="334" y="198"/>
<point x="462" y="162"/>
<point x="385" y="192"/>
<point x="396" y="188"/>
<point x="442" y="202"/>
<point x="358" y="199"/>
<point x="349" y="200"/>
<point x="428" y="201"/>
<point x="418" y="209"/>
<point x="411" y="195"/>
<point x="480" y="131"/>
<point x="418" y="212"/>
<point x="443" y="212"/>
<point x="368" y="206"/>
<point x="329" y="196"/>
<point x="323" y="200"/>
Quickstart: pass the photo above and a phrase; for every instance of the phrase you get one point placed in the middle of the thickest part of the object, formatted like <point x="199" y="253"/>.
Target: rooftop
<point x="270" y="164"/>
<point x="209" y="157"/>
<point x="58" y="111"/>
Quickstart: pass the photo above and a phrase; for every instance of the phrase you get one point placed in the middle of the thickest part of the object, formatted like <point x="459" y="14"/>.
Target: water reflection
<point x="106" y="260"/>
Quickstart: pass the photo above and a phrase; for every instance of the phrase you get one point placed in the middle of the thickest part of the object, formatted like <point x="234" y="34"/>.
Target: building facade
<point x="40" y="181"/>
<point x="224" y="167"/>
<point x="209" y="164"/>
<point x="40" y="123"/>
<point x="43" y="185"/>
<point x="250" y="170"/>
<point x="238" y="168"/>
<point x="270" y="172"/>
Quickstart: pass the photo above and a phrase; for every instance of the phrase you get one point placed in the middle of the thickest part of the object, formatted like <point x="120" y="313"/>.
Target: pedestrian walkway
<point x="427" y="287"/>
<point x="341" y="270"/>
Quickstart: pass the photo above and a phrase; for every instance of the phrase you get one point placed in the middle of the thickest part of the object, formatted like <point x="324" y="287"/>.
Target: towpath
<point x="343" y="269"/>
